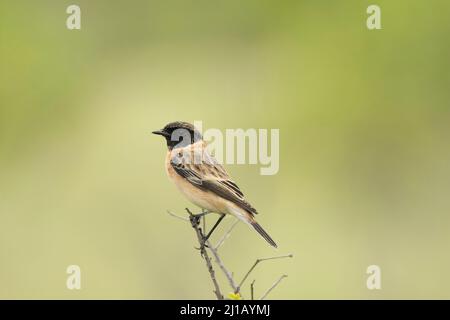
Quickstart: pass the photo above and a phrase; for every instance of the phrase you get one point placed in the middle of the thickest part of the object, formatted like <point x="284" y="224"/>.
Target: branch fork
<point x="205" y="245"/>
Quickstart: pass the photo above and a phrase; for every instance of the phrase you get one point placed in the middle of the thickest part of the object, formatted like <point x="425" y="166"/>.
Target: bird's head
<point x="179" y="134"/>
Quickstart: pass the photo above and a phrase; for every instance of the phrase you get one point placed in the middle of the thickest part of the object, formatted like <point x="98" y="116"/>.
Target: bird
<point x="202" y="179"/>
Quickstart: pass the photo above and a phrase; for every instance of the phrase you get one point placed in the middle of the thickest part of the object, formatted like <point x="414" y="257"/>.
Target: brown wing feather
<point x="210" y="176"/>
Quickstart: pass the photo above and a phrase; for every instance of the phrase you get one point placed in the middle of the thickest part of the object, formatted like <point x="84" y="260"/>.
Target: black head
<point x="179" y="134"/>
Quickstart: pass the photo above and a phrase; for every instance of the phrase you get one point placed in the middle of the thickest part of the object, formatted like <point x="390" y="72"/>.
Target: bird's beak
<point x="160" y="132"/>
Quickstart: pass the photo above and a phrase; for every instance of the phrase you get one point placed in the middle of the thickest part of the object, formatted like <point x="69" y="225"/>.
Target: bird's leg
<point x="196" y="218"/>
<point x="205" y="238"/>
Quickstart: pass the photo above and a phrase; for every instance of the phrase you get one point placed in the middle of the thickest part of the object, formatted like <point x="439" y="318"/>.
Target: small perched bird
<point x="203" y="180"/>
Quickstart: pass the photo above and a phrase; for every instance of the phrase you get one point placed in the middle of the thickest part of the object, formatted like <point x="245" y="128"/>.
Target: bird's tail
<point x="263" y="233"/>
<point x="247" y="217"/>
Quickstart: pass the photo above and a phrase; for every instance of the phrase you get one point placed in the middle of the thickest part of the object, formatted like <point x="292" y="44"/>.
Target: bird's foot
<point x="201" y="214"/>
<point x="202" y="249"/>
<point x="203" y="245"/>
<point x="195" y="218"/>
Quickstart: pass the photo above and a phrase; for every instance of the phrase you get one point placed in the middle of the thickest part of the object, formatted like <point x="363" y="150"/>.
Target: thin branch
<point x="218" y="260"/>
<point x="195" y="221"/>
<point x="227" y="273"/>
<point x="257" y="262"/>
<point x="252" y="290"/>
<point x="226" y="235"/>
<point x="195" y="224"/>
<point x="177" y="216"/>
<point x="273" y="286"/>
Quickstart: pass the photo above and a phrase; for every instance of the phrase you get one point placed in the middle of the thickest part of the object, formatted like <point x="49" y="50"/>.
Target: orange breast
<point x="203" y="199"/>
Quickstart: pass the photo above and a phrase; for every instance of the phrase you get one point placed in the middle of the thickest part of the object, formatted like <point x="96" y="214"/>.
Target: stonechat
<point x="204" y="181"/>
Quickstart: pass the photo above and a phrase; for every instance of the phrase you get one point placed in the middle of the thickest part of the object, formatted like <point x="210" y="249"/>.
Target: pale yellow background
<point x="364" y="133"/>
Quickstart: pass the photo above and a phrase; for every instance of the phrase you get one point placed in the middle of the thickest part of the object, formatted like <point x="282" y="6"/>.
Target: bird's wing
<point x="208" y="175"/>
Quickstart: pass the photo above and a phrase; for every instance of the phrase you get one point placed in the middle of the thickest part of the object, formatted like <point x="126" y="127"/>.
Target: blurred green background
<point x="364" y="127"/>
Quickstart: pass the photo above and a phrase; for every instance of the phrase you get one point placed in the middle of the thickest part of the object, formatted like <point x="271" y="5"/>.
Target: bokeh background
<point x="364" y="121"/>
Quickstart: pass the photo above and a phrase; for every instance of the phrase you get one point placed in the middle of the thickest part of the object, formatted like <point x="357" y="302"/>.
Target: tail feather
<point x="263" y="233"/>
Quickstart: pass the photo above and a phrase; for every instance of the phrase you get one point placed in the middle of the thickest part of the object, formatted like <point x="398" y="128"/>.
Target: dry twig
<point x="195" y="221"/>
<point x="227" y="273"/>
<point x="252" y="290"/>
<point x="273" y="286"/>
<point x="226" y="235"/>
<point x="256" y="263"/>
<point x="195" y="224"/>
<point x="177" y="216"/>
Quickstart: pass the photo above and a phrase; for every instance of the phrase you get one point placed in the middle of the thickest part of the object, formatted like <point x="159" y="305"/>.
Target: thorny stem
<point x="195" y="224"/>
<point x="205" y="243"/>
<point x="227" y="273"/>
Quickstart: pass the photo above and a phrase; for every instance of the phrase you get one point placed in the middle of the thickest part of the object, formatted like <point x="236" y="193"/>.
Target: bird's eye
<point x="180" y="154"/>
